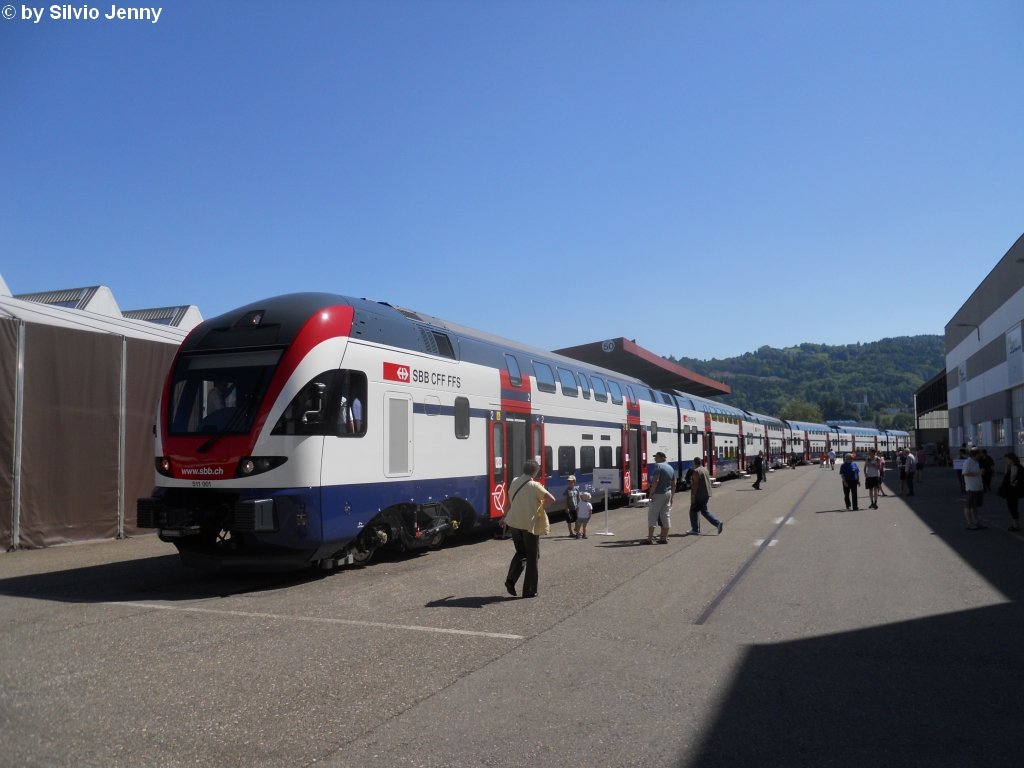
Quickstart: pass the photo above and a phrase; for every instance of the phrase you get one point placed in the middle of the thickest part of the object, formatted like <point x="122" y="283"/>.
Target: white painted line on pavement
<point x="316" y="620"/>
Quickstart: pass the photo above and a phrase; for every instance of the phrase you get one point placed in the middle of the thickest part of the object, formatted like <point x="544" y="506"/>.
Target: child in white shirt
<point x="583" y="514"/>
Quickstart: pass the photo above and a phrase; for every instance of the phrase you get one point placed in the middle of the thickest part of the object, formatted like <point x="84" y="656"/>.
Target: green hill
<point x="873" y="382"/>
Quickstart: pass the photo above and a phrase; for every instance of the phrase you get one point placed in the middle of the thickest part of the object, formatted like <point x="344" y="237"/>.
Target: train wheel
<point x="362" y="556"/>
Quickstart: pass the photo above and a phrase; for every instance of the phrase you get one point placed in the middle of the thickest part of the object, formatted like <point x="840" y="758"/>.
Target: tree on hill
<point x="852" y="381"/>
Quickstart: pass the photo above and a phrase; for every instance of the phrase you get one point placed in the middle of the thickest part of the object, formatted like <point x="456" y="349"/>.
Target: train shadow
<point x="941" y="691"/>
<point x="164" y="578"/>
<point x="161" y="577"/>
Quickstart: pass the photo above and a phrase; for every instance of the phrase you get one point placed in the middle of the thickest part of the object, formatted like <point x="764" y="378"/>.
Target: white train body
<point x="315" y="428"/>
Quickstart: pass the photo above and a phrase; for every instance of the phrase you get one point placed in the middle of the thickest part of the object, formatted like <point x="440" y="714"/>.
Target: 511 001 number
<point x="202" y="484"/>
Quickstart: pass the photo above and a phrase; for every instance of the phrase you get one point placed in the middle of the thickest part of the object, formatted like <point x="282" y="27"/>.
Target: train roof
<point x="809" y="426"/>
<point x="763" y="419"/>
<point x="281" y="317"/>
<point x="630" y="359"/>
<point x="712" y="406"/>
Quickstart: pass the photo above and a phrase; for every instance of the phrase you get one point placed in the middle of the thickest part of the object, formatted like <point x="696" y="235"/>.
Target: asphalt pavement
<point x="804" y="635"/>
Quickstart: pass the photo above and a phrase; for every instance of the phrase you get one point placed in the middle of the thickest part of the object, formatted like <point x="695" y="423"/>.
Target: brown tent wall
<point x="8" y="388"/>
<point x="71" y="434"/>
<point x="148" y="364"/>
<point x="88" y="407"/>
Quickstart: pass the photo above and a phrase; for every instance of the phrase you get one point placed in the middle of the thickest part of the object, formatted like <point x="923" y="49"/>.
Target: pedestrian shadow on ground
<point x="468" y="602"/>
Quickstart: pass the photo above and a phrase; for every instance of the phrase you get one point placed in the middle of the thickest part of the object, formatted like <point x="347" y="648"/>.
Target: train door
<point x="537" y="444"/>
<point x="508" y="450"/>
<point x="710" y="456"/>
<point x="633" y="450"/>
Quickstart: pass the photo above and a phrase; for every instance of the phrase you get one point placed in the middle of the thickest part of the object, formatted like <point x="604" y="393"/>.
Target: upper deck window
<point x="570" y="388"/>
<point x="545" y="377"/>
<point x="616" y="392"/>
<point x="515" y="376"/>
<point x="584" y="385"/>
<point x="600" y="393"/>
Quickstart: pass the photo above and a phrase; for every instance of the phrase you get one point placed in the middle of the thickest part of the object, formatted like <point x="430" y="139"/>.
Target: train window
<point x="444" y="345"/>
<point x="604" y="457"/>
<point x="616" y="392"/>
<point x="498" y="446"/>
<point x="666" y="398"/>
<point x="515" y="376"/>
<point x="545" y="377"/>
<point x="461" y="418"/>
<point x="332" y="403"/>
<point x="566" y="460"/>
<point x="548" y="461"/>
<point x="654" y="431"/>
<point x="631" y="393"/>
<point x="570" y="388"/>
<point x="585" y="384"/>
<point x="587" y="459"/>
<point x="221" y="393"/>
<point x="618" y="458"/>
<point x="600" y="393"/>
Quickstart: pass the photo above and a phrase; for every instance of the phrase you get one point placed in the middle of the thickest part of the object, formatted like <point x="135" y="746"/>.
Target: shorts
<point x="872" y="482"/>
<point x="659" y="508"/>
<point x="974" y="499"/>
<point x="570" y="515"/>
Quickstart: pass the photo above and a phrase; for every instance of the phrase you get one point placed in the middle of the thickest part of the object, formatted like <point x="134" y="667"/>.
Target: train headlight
<point x="256" y="465"/>
<point x="163" y="466"/>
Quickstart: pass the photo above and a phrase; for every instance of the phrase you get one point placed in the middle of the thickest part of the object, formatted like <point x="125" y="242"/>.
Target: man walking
<point x="700" y="495"/>
<point x="528" y="522"/>
<point x="758" y="468"/>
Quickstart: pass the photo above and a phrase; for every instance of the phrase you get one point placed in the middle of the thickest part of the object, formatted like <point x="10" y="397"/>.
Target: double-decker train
<point x="315" y="429"/>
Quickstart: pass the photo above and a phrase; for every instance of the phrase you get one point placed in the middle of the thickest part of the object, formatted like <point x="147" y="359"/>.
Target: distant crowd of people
<point x="526" y="517"/>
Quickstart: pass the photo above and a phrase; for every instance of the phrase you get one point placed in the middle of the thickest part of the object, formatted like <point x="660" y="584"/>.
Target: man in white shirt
<point x="975" y="490"/>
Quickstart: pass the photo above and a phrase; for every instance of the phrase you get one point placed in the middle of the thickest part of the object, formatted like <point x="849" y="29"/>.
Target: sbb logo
<point x="396" y="372"/>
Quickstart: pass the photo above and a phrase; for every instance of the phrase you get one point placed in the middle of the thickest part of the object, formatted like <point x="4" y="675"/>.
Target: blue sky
<point x="703" y="177"/>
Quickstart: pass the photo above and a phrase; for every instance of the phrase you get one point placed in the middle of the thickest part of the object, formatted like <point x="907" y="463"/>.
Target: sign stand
<point x="606" y="479"/>
<point x="605" y="532"/>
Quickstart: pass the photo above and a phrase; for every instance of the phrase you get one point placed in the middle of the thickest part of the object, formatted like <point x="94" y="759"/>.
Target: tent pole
<point x="122" y="428"/>
<point x="19" y="421"/>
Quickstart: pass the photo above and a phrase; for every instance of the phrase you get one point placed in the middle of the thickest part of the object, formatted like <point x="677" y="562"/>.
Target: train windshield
<point x="219" y="394"/>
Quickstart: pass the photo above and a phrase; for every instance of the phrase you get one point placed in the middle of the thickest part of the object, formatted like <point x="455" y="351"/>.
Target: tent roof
<point x="630" y="359"/>
<point x="46" y="314"/>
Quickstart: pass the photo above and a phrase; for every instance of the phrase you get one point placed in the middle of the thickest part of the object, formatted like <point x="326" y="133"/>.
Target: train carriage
<point x="316" y="429"/>
<point x="815" y="438"/>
